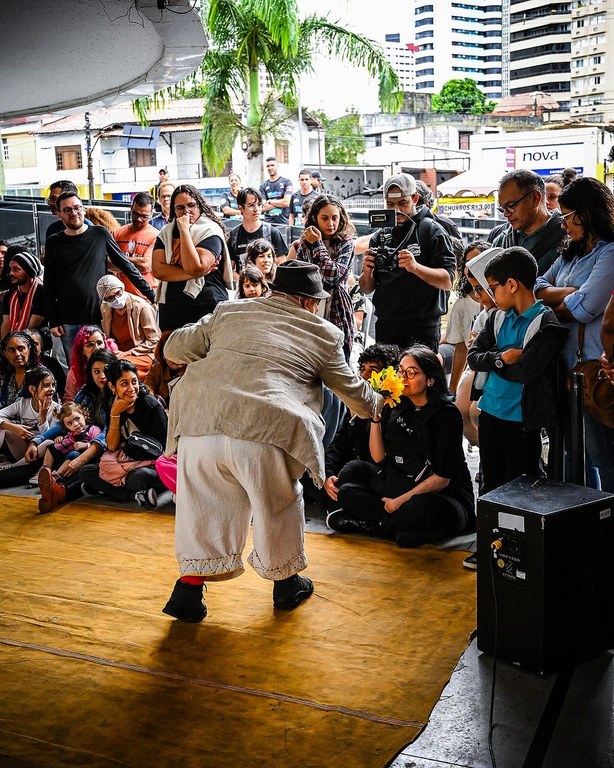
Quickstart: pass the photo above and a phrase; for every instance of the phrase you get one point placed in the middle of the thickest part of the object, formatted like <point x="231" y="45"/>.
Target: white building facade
<point x="540" y="48"/>
<point x="458" y="40"/>
<point x="592" y="82"/>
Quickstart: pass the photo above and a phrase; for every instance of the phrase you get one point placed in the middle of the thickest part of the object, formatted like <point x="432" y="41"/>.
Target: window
<point x="393" y="139"/>
<point x="5" y="149"/>
<point x="596" y="81"/>
<point x="141" y="158"/>
<point x="282" y="149"/>
<point x="395" y="37"/>
<point x="463" y="139"/>
<point x="68" y="158"/>
<point x="596" y="59"/>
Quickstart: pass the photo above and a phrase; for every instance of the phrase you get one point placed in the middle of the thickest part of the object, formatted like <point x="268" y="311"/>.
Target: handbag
<point x="598" y="391"/>
<point x="140" y="447"/>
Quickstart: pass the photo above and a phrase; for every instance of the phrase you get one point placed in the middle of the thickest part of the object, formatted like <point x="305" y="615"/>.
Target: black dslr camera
<point x="385" y="257"/>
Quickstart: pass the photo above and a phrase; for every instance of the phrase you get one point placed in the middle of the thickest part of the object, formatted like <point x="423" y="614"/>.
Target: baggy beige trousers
<point x="223" y="484"/>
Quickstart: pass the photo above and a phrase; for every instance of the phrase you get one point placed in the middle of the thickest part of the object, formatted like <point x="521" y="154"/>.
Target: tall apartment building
<point x="458" y="40"/>
<point x="592" y="91"/>
<point x="540" y="48"/>
<point x="400" y="54"/>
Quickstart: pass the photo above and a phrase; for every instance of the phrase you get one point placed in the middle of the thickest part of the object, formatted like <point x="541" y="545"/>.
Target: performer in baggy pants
<point x="245" y="420"/>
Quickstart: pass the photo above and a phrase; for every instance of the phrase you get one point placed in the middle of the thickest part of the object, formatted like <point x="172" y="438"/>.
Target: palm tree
<point x="248" y="37"/>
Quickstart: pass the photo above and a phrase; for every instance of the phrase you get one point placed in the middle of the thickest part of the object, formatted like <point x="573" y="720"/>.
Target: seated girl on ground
<point x="131" y="409"/>
<point x="65" y="484"/>
<point x="418" y="489"/>
<point x="65" y="440"/>
<point x="28" y="416"/>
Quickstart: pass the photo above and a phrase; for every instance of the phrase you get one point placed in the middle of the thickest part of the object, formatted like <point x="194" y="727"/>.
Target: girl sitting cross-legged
<point x="418" y="489"/>
<point x="65" y="440"/>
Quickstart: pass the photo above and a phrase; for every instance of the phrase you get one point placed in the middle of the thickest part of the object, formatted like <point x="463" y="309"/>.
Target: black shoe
<point x="412" y="539"/>
<point x="471" y="562"/>
<point x="186" y="603"/>
<point x="288" y="593"/>
<point x="339" y="520"/>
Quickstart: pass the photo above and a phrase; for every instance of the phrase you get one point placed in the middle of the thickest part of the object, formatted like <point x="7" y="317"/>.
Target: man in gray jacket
<point x="522" y="200"/>
<point x="245" y="422"/>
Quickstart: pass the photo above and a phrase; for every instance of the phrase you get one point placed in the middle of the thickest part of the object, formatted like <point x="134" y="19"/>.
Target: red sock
<point x="197" y="581"/>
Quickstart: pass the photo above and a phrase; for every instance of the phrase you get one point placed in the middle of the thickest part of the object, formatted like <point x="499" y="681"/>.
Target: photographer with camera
<point x="409" y="268"/>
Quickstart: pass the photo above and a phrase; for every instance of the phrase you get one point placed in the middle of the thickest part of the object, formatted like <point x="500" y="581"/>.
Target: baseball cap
<point x="405" y="182"/>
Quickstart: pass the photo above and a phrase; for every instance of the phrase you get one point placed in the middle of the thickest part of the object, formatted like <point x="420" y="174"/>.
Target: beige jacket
<point x="255" y="372"/>
<point x="142" y="324"/>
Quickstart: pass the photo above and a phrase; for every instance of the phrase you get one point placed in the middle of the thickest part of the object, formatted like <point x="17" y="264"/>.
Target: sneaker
<point x="339" y="520"/>
<point x="34" y="479"/>
<point x="186" y="602"/>
<point x="148" y="498"/>
<point x="471" y="562"/>
<point x="288" y="593"/>
<point x="87" y="490"/>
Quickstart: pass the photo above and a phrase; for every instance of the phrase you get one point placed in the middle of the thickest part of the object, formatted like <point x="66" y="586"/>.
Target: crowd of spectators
<point x="90" y="417"/>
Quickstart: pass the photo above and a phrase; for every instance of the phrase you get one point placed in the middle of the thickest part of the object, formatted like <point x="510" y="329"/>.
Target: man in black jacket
<point x="410" y="268"/>
<point x="75" y="260"/>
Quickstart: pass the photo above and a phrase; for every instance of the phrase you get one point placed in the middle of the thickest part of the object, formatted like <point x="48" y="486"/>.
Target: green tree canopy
<point x="462" y="97"/>
<point x="251" y="38"/>
<point x="344" y="140"/>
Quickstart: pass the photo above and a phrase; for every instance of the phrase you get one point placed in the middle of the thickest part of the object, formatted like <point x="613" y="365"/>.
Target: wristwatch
<point x="498" y="361"/>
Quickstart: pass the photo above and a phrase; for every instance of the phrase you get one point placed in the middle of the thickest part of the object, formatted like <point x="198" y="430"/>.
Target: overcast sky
<point x="336" y="86"/>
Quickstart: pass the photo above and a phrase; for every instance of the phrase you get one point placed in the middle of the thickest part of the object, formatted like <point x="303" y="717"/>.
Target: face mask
<point x="118" y="303"/>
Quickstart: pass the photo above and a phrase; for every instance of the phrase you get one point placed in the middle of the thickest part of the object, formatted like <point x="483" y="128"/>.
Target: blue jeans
<point x="68" y="340"/>
<point x="600" y="450"/>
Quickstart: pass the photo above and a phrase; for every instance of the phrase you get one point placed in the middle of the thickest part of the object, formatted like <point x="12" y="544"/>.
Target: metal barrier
<point x="25" y="222"/>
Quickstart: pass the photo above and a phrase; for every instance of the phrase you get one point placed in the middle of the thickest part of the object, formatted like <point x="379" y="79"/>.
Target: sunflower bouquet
<point x="389" y="384"/>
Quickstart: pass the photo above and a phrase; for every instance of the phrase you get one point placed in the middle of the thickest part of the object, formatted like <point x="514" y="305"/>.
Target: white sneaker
<point x="148" y="498"/>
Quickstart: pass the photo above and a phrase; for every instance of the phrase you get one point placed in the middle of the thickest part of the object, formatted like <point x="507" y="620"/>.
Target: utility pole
<point x="88" y="152"/>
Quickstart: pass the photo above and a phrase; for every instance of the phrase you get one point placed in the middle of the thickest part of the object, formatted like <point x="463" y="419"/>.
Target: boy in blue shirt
<point x="518" y="348"/>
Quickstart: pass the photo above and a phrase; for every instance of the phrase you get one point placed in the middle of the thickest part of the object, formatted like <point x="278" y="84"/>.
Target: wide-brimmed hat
<point x="299" y="278"/>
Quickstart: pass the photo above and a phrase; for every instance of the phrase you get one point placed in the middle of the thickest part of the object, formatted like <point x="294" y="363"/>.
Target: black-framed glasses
<point x="140" y="215"/>
<point x="74" y="209"/>
<point x="409" y="373"/>
<point x="511" y="207"/>
<point x="564" y="218"/>
<point x="491" y="289"/>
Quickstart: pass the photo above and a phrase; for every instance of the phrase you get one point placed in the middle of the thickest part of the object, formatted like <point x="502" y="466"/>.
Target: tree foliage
<point x="251" y="38"/>
<point x="462" y="97"/>
<point x="344" y="139"/>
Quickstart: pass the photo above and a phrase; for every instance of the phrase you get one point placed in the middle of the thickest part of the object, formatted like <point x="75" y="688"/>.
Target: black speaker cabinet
<point x="545" y="573"/>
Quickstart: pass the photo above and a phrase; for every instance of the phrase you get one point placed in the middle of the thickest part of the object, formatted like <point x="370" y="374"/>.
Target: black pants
<point x="138" y="480"/>
<point x="506" y="451"/>
<point x="362" y="486"/>
<point x="406" y="336"/>
<point x="13" y="476"/>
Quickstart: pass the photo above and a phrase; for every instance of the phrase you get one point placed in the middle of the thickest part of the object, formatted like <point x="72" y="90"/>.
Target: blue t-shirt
<point x="502" y="398"/>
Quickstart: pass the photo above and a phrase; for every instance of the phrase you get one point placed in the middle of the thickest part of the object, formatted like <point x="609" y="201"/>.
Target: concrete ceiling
<point x="59" y="56"/>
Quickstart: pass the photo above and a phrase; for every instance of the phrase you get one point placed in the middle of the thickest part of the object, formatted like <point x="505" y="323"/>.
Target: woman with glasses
<point x="578" y="287"/>
<point x="190" y="260"/>
<point x="419" y="490"/>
